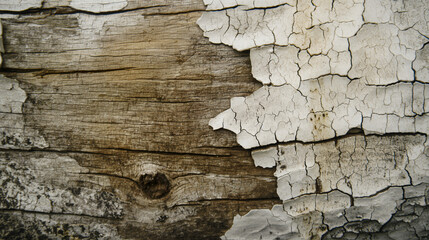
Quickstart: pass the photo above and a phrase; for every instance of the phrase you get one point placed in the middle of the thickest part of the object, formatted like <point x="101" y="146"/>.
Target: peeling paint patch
<point x="408" y="221"/>
<point x="264" y="224"/>
<point x="358" y="165"/>
<point x="302" y="24"/>
<point x="298" y="40"/>
<point x="383" y="54"/>
<point x="333" y="216"/>
<point x="324" y="56"/>
<point x="329" y="68"/>
<point x="277" y="65"/>
<point x="98" y="6"/>
<point x="379" y="207"/>
<point x="276" y="224"/>
<point x="260" y="28"/>
<point x="246" y="4"/>
<point x="325" y="108"/>
<point x="13" y="134"/>
<point x="12" y="96"/>
<point x="421" y="64"/>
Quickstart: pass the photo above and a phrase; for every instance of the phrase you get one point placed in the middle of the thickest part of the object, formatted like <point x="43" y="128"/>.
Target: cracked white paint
<point x="383" y="54"/>
<point x="306" y="50"/>
<point x="329" y="68"/>
<point x="337" y="207"/>
<point x="13" y="133"/>
<point x="12" y="96"/>
<point x="309" y="217"/>
<point x="379" y="207"/>
<point x="264" y="224"/>
<point x="246" y="4"/>
<point x="98" y="6"/>
<point x="327" y="202"/>
<point x="289" y="65"/>
<point x="300" y="23"/>
<point x="421" y="64"/>
<point x="325" y="108"/>
<point x="320" y="33"/>
<point x="358" y="165"/>
<point x="95" y="6"/>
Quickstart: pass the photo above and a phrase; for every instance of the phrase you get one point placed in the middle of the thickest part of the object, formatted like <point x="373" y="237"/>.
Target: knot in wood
<point x="154" y="185"/>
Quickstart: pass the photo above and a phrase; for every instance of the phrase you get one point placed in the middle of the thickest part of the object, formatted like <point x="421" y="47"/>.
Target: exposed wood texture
<point x="112" y="100"/>
<point x="105" y="107"/>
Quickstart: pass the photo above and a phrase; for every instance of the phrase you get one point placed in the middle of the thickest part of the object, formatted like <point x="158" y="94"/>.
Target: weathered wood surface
<point x="112" y="99"/>
<point x="105" y="106"/>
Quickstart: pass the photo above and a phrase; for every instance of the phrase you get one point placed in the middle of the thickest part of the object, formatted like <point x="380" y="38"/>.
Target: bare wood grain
<point x="122" y="94"/>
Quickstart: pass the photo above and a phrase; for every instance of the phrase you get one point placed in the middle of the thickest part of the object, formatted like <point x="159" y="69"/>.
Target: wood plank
<point x="116" y="97"/>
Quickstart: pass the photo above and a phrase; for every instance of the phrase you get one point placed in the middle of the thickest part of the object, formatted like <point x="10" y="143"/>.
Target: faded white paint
<point x="325" y="108"/>
<point x="12" y="96"/>
<point x="309" y="217"/>
<point x="13" y="133"/>
<point x="98" y="6"/>
<point x="95" y="6"/>
<point x="330" y="67"/>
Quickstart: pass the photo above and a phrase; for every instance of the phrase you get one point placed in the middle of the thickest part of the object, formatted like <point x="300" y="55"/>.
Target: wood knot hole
<point x="154" y="185"/>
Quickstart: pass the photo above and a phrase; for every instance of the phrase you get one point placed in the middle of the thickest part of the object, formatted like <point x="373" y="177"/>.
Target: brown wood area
<point x="126" y="92"/>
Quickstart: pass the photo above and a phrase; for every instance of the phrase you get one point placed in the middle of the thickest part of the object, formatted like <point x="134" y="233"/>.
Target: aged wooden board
<point x="121" y="101"/>
<point x="105" y="107"/>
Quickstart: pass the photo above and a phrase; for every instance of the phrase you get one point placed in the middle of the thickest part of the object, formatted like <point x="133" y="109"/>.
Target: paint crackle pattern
<point x="329" y="68"/>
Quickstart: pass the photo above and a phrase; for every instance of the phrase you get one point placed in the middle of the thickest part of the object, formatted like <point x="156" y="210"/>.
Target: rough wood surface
<point x="105" y="108"/>
<point x="112" y="100"/>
